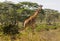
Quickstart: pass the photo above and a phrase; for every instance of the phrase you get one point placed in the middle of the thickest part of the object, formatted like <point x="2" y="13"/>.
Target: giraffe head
<point x="40" y="7"/>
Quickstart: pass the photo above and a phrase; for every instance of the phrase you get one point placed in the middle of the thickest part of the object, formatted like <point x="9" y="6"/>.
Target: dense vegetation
<point x="15" y="14"/>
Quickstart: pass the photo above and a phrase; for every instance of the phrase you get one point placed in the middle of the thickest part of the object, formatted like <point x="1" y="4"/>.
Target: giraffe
<point x="31" y="20"/>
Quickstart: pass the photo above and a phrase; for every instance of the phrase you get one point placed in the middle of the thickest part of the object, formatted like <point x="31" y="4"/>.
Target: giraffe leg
<point x="33" y="26"/>
<point x="25" y="23"/>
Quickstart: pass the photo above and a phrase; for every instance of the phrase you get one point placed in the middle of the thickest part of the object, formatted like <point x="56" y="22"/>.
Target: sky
<point x="51" y="4"/>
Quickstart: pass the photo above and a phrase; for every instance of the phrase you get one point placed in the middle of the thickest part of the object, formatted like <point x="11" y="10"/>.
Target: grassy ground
<point x="42" y="33"/>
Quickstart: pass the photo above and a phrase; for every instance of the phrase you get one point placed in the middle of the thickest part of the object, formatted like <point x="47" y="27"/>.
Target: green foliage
<point x="10" y="13"/>
<point x="40" y="27"/>
<point x="10" y="30"/>
<point x="29" y="4"/>
<point x="43" y="27"/>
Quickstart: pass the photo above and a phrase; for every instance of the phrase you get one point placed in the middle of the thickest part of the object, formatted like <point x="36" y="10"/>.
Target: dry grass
<point x="51" y="35"/>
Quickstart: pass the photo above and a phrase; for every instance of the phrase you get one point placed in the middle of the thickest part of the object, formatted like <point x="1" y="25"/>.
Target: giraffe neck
<point x="35" y="14"/>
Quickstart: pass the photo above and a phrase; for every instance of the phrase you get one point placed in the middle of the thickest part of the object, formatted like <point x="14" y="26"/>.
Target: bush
<point x="10" y="29"/>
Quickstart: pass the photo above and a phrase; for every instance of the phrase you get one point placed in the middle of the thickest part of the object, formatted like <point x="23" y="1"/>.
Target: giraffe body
<point x="31" y="19"/>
